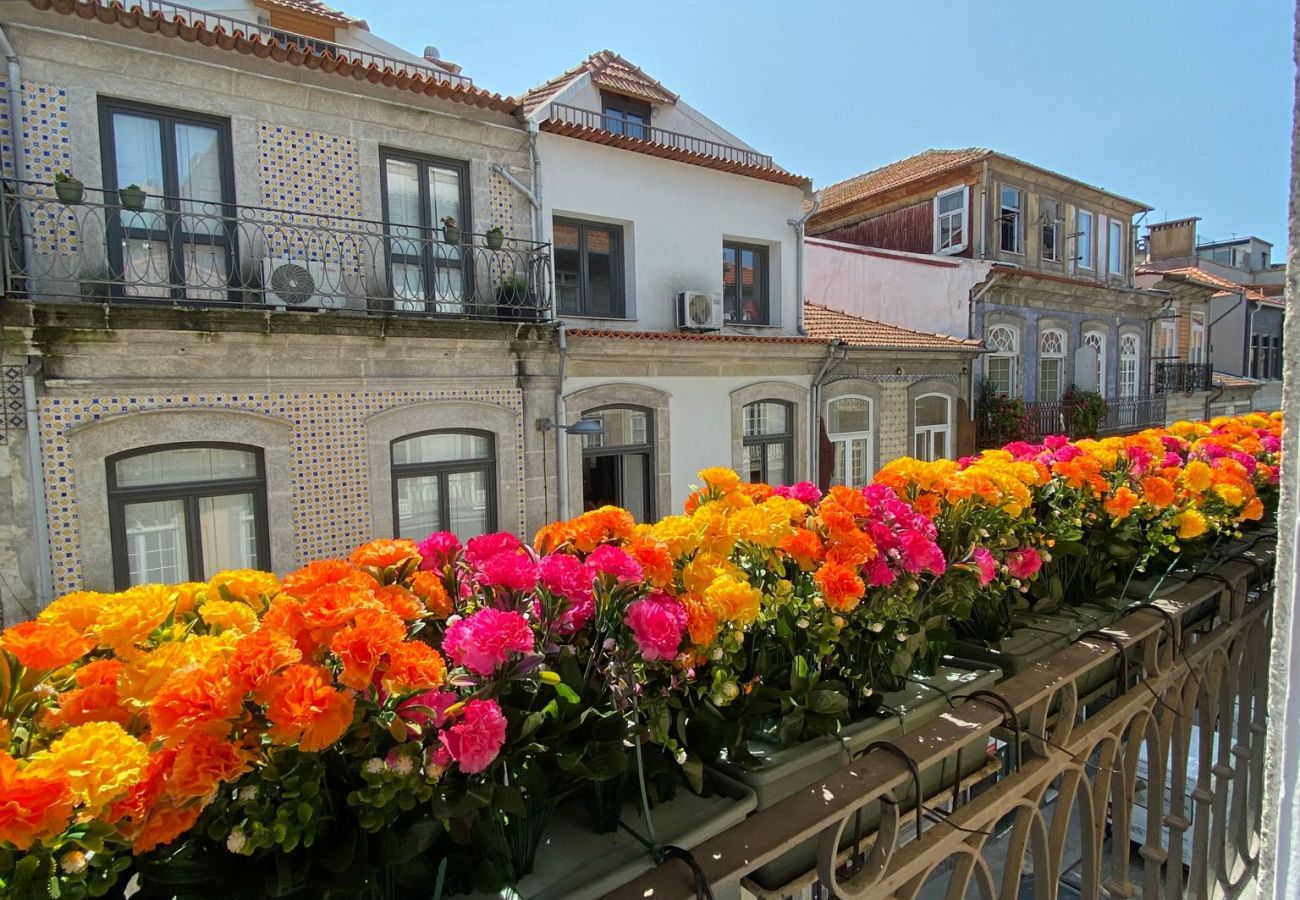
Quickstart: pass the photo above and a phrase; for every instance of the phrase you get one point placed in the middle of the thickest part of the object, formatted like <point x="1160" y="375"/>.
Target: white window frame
<point x="963" y="212"/>
<point x="1128" y="365"/>
<point x="848" y="437"/>
<point x="1196" y="338"/>
<point x="1020" y="219"/>
<point x="1086" y="239"/>
<point x="1013" y="355"/>
<point x="1097" y="339"/>
<point x="1113" y="266"/>
<point x="1060" y="359"/>
<point x="927" y="432"/>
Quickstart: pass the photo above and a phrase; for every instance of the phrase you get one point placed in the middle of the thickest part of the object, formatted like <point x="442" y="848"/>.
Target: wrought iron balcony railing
<point x="586" y="118"/>
<point x="199" y="253"/>
<point x="1132" y="414"/>
<point x="1183" y="377"/>
<point x="1041" y="418"/>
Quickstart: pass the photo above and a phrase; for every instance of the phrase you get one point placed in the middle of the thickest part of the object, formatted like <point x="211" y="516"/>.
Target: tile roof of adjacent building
<point x="1223" y="379"/>
<point x="919" y="167"/>
<point x="607" y="69"/>
<point x="826" y="323"/>
<point x="704" y="336"/>
<point x="230" y="34"/>
<point x="1207" y="279"/>
<point x="313" y="8"/>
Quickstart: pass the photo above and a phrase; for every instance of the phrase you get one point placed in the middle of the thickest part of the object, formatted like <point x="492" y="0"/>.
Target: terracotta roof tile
<point x="693" y="336"/>
<point x="905" y="171"/>
<point x="607" y="69"/>
<point x="312" y="8"/>
<point x="826" y="323"/>
<point x="1234" y="381"/>
<point x="355" y="65"/>
<point x="1207" y="279"/>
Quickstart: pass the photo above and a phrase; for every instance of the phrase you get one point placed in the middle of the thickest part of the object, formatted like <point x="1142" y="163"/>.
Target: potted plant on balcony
<point x="515" y="298"/>
<point x="68" y="188"/>
<point x="450" y="230"/>
<point x="132" y="197"/>
<point x="494" y="237"/>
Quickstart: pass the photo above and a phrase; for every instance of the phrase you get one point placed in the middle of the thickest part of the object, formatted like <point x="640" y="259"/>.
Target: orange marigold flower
<point x="200" y="699"/>
<point x="334" y="605"/>
<point x="165" y="824"/>
<point x="400" y="602"/>
<point x="32" y="807"/>
<point x="551" y="537"/>
<point x="144" y="675"/>
<point x="384" y="552"/>
<point x="314" y="576"/>
<point x="95" y="699"/>
<point x="654" y="558"/>
<point x="1122" y="502"/>
<point x="135" y="804"/>
<point x="99" y="761"/>
<point x="720" y="478"/>
<point x="39" y="645"/>
<point x="757" y="491"/>
<point x="258" y="656"/>
<point x="840" y="585"/>
<point x="849" y="498"/>
<point x="305" y="709"/>
<point x="413" y="666"/>
<point x="852" y="548"/>
<point x="428" y="587"/>
<point x="701" y="622"/>
<point x="1252" y="511"/>
<point x="202" y="764"/>
<point x="78" y="610"/>
<point x="1157" y="491"/>
<point x="361" y="646"/>
<point x="804" y="547"/>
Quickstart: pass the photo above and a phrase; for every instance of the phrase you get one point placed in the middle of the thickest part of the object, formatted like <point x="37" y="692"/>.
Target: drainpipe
<point x="561" y="436"/>
<point x="44" y="578"/>
<point x="815" y="402"/>
<point x="975" y="297"/>
<point x="798" y="226"/>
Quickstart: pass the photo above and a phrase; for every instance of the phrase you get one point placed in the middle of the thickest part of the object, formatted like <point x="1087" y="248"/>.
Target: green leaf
<point x="508" y="800"/>
<point x="827" y="703"/>
<point x="566" y="693"/>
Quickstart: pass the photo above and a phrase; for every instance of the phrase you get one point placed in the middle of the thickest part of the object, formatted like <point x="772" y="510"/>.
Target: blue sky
<point x="1183" y="104"/>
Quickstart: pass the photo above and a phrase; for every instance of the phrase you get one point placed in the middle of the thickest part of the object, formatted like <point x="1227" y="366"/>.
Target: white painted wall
<point x="699" y="412"/>
<point x="674" y="217"/>
<point x="924" y="293"/>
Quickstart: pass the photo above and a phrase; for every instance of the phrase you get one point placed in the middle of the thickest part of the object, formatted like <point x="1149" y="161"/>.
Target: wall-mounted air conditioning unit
<point x="301" y="284"/>
<point x="699" y="311"/>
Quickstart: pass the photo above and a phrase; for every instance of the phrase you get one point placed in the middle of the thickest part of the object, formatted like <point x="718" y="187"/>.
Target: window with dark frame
<point x="182" y="245"/>
<point x="618" y="465"/>
<point x="625" y="115"/>
<point x="588" y="268"/>
<point x="1050" y="222"/>
<point x="1009" y="216"/>
<point x="184" y="512"/>
<point x="426" y="273"/>
<point x="1276" y="372"/>
<point x="768" y="442"/>
<point x="444" y="481"/>
<point x="745" y="283"/>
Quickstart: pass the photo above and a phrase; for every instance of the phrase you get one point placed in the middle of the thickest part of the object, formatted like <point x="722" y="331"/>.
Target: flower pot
<point x="70" y="191"/>
<point x="132" y="198"/>
<point x="451" y="234"/>
<point x="494" y="239"/>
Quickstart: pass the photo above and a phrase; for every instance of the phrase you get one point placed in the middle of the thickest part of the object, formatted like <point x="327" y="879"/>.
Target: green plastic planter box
<point x="1036" y="637"/>
<point x="575" y="863"/>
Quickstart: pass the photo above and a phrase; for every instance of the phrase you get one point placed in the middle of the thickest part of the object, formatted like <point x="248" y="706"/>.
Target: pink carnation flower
<point x="565" y="576"/>
<point x="1139" y="459"/>
<point x="921" y="553"/>
<point x="510" y="570"/>
<point x="805" y="492"/>
<point x="878" y="572"/>
<point x="615" y="563"/>
<point x="438" y="549"/>
<point x="1271" y="443"/>
<point x="983" y="560"/>
<point x="484" y="641"/>
<point x="658" y="623"/>
<point x="428" y="709"/>
<point x="476" y="739"/>
<point x="486" y="545"/>
<point x="1024" y="564"/>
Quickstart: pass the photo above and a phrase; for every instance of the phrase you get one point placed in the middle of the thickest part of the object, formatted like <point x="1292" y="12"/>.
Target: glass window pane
<point x="765" y="418"/>
<point x="146" y="266"/>
<point x="444" y="191"/>
<point x="156" y="542"/>
<point x="752" y="469"/>
<point x="749" y="286"/>
<point x="137" y="150"/>
<point x="624" y="427"/>
<point x="729" y="297"/>
<point x="568" y="268"/>
<point x="600" y="272"/>
<point x="776" y="463"/>
<point x="952" y="201"/>
<point x="850" y="414"/>
<point x="198" y="168"/>
<point x="932" y="411"/>
<point x="447" y="446"/>
<point x="402" y="183"/>
<point x="228" y="533"/>
<point x="636" y="489"/>
<point x="417" y="507"/>
<point x="185" y="464"/>
<point x="468" y="503"/>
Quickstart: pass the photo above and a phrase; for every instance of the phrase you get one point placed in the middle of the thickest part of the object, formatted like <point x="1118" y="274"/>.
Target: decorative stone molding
<point x="578" y="403"/>
<point x="794" y="394"/>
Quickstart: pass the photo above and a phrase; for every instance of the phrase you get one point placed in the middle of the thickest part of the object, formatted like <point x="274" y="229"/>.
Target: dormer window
<point x="624" y="115"/>
<point x="950" y="220"/>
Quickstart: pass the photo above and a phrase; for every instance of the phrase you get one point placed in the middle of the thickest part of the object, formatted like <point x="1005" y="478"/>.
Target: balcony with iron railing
<point x="184" y="252"/>
<point x="617" y="126"/>
<point x="1122" y="415"/>
<point x="1173" y="377"/>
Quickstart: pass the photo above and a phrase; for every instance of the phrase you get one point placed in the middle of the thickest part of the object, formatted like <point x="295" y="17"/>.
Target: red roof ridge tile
<point x="827" y="322"/>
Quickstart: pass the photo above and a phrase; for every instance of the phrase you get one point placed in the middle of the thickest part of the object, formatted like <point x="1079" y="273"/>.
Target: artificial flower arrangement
<point x="411" y="717"/>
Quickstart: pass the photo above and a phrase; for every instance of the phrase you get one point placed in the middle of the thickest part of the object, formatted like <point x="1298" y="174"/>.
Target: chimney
<point x="1172" y="240"/>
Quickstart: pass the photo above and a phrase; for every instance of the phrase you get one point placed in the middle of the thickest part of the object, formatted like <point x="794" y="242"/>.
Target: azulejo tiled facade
<point x="329" y="468"/>
<point x="48" y="147"/>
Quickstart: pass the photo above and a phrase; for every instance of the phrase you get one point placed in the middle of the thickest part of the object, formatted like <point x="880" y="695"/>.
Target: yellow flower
<point x="733" y="600"/>
<point x="249" y="585"/>
<point x="78" y="610"/>
<point x="678" y="533"/>
<point x="1190" y="524"/>
<point x="1230" y="494"/>
<point x="99" y="760"/>
<point x="141" y="678"/>
<point x="128" y="618"/>
<point x="765" y="525"/>
<point x="1198" y="476"/>
<point x="230" y="614"/>
<point x="720" y="478"/>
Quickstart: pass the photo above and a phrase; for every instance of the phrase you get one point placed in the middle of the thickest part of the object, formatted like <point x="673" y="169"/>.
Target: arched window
<point x="1097" y="341"/>
<point x="1128" y="365"/>
<point x="1051" y="365"/>
<point x="849" y="426"/>
<point x="1003" y="361"/>
<point x="617" y="467"/>
<point x="444" y="481"/>
<point x="186" y="511"/>
<point x="768" y="442"/>
<point x="932" y="417"/>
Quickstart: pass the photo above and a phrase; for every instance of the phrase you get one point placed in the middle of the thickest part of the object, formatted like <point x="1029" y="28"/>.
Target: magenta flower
<point x="428" y="710"/>
<point x="658" y="623"/>
<point x="487" y="545"/>
<point x="615" y="563"/>
<point x="983" y="559"/>
<point x="565" y="576"/>
<point x="476" y="739"/>
<point x="920" y="553"/>
<point x="1139" y="459"/>
<point x="1171" y="460"/>
<point x="438" y="549"/>
<point x="484" y="641"/>
<point x="510" y="570"/>
<point x="1271" y="443"/>
<point x="878" y="572"/>
<point x="1024" y="563"/>
<point x="805" y="492"/>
